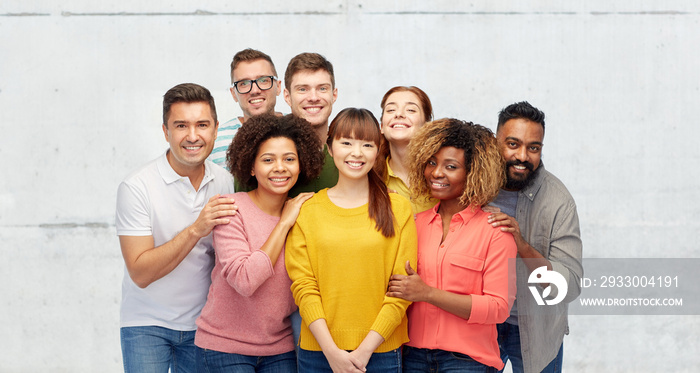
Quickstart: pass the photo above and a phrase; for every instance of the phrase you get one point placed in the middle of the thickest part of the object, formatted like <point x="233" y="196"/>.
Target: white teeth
<point x="256" y="101"/>
<point x="313" y="109"/>
<point x="440" y="185"/>
<point x="192" y="147"/>
<point x="355" y="164"/>
<point x="278" y="180"/>
<point x="520" y="167"/>
<point x="399" y="126"/>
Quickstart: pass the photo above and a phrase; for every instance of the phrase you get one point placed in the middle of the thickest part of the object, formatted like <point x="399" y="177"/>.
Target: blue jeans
<point x="154" y="349"/>
<point x="295" y="318"/>
<point x="509" y="343"/>
<point x="380" y="362"/>
<point x="209" y="361"/>
<point x="419" y="360"/>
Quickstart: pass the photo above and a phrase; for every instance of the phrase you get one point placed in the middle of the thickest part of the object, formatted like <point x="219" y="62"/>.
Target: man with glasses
<point x="255" y="87"/>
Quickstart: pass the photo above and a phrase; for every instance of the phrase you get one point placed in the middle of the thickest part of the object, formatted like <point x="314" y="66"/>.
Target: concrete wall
<point x="81" y="84"/>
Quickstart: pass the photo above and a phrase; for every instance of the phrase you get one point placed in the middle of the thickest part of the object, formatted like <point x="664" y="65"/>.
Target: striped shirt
<point x="224" y="136"/>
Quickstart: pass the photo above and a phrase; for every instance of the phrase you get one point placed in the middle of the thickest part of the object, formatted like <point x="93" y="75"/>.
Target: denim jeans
<point x="154" y="349"/>
<point x="295" y="318"/>
<point x="209" y="361"/>
<point x="509" y="343"/>
<point x="380" y="362"/>
<point x="419" y="360"/>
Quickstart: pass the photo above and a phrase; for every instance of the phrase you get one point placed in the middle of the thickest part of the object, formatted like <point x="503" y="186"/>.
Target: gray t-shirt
<point x="507" y="201"/>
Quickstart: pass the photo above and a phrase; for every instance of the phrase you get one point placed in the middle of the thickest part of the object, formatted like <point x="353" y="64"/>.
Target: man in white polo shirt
<point x="165" y="213"/>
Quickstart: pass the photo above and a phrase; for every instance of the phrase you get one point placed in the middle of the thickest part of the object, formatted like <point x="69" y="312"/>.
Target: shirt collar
<point x="531" y="190"/>
<point x="389" y="171"/>
<point x="166" y="170"/>
<point x="464" y="215"/>
<point x="170" y="176"/>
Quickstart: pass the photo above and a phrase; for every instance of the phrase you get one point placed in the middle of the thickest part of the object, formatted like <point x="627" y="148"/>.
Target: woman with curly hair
<point x="404" y="111"/>
<point x="245" y="323"/>
<point x="461" y="288"/>
<point x="346" y="243"/>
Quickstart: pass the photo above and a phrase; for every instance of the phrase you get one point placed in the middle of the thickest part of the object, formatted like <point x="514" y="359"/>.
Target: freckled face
<point x="402" y="116"/>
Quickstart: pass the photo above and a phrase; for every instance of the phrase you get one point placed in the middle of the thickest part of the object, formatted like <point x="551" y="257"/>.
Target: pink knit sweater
<point x="249" y="303"/>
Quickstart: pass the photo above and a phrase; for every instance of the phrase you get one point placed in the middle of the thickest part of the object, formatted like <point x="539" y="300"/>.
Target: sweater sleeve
<point x="394" y="309"/>
<point x="297" y="259"/>
<point x="493" y="306"/>
<point x="243" y="268"/>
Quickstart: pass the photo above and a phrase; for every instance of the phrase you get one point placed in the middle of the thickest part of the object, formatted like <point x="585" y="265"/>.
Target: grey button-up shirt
<point x="546" y="214"/>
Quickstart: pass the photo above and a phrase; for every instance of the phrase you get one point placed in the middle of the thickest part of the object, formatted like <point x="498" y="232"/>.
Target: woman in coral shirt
<point x="462" y="287"/>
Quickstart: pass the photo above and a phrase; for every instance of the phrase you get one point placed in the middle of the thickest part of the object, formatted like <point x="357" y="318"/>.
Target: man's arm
<point x="525" y="250"/>
<point x="565" y="248"/>
<point x="147" y="263"/>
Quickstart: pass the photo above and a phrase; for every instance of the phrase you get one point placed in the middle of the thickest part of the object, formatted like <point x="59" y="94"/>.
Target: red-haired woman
<point x="404" y="111"/>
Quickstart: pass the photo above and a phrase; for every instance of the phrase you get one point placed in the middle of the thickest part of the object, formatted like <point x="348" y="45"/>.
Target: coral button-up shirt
<point x="473" y="260"/>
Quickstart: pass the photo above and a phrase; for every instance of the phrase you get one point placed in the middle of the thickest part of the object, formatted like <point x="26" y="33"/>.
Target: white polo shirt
<point x="156" y="201"/>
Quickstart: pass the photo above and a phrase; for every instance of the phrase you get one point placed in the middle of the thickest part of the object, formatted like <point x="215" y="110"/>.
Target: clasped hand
<point x="409" y="287"/>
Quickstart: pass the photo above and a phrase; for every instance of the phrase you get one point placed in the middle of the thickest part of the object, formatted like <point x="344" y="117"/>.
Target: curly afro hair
<point x="485" y="169"/>
<point x="243" y="150"/>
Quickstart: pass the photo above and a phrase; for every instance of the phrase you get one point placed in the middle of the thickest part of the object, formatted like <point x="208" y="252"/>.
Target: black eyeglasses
<point x="264" y="83"/>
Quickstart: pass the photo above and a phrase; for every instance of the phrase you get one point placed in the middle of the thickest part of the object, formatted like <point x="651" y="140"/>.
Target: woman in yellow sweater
<point x="347" y="242"/>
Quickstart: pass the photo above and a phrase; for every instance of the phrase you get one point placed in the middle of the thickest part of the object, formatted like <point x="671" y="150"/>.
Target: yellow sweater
<point x="340" y="267"/>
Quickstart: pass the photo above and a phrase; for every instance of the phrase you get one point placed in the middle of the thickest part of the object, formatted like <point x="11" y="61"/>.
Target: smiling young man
<point x="165" y="213"/>
<point x="541" y="214"/>
<point x="310" y="93"/>
<point x="255" y="87"/>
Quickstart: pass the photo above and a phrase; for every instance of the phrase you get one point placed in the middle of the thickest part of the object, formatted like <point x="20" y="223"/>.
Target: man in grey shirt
<point x="547" y="234"/>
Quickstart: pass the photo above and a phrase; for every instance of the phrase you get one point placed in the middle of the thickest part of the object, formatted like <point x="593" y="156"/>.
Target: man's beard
<point x="519" y="184"/>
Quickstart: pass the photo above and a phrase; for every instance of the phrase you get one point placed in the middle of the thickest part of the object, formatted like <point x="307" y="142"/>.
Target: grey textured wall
<point x="81" y="84"/>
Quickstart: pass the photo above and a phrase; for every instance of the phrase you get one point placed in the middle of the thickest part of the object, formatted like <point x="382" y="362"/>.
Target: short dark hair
<point x="249" y="55"/>
<point x="187" y="92"/>
<point x="307" y="61"/>
<point x="243" y="150"/>
<point x="522" y="110"/>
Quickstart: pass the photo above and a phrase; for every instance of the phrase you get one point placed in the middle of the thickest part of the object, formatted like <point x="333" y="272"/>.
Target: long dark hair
<point x="360" y="124"/>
